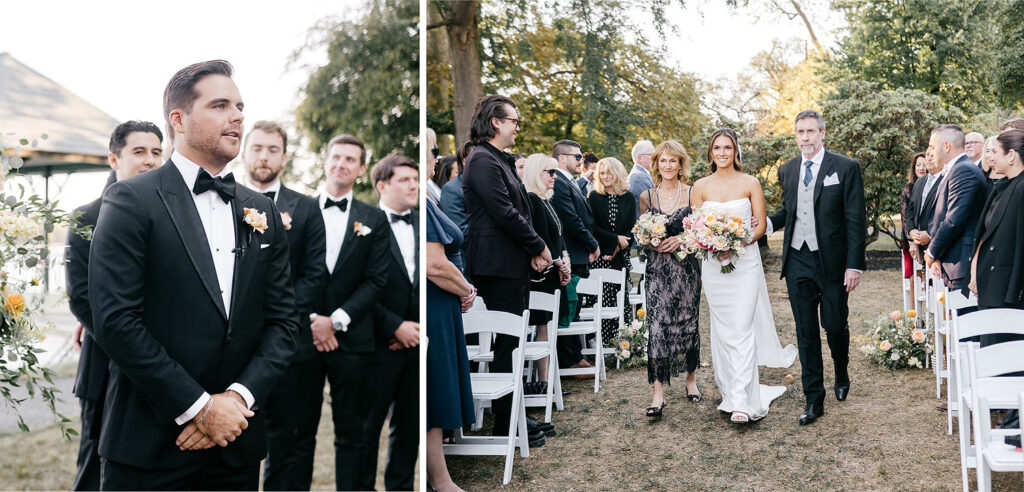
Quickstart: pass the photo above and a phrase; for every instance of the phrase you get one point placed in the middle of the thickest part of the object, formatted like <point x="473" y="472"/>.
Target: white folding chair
<point x="637" y="297"/>
<point x="587" y="286"/>
<point x="940" y="330"/>
<point x="537" y="350"/>
<point x="986" y="322"/>
<point x="989" y="392"/>
<point x="613" y="312"/>
<point x="955" y="300"/>
<point x="492" y="386"/>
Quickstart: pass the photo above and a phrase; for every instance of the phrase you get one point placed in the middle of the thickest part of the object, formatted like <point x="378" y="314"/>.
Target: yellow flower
<point x="640" y="313"/>
<point x="789" y="378"/>
<point x="912" y="313"/>
<point x="942" y="297"/>
<point x="35" y="282"/>
<point x="14" y="303"/>
<point x="885" y="345"/>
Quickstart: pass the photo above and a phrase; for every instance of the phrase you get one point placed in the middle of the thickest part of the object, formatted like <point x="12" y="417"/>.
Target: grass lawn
<point x="887" y="436"/>
<point x="41" y="460"/>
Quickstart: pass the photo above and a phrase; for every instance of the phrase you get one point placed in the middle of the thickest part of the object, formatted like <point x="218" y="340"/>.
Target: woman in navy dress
<point x="449" y="394"/>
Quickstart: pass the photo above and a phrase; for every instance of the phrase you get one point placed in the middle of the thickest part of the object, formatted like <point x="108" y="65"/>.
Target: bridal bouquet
<point x="897" y="340"/>
<point x="710" y="232"/>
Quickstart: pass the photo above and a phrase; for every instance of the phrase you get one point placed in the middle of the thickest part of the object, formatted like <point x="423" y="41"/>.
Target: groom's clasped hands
<point x="222" y="420"/>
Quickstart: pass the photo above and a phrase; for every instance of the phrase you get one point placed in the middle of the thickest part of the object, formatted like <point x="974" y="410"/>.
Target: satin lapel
<point x="824" y="170"/>
<point x="286" y="201"/>
<point x="416" y="234"/>
<point x="246" y="241"/>
<point x="182" y="209"/>
<point x="396" y="252"/>
<point x="354" y="216"/>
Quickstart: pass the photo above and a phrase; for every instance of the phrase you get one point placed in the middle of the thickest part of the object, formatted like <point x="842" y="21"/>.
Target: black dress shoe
<point x="812" y="413"/>
<point x="842" y="391"/>
<point x="534" y="425"/>
<point x="537" y="439"/>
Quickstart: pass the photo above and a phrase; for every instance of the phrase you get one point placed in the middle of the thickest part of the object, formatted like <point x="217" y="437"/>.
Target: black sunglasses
<point x="435" y="152"/>
<point x="550" y="172"/>
<point x="579" y="157"/>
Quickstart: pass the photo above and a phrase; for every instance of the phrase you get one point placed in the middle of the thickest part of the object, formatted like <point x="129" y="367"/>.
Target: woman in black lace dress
<point x="673" y="286"/>
<point x="614" y="211"/>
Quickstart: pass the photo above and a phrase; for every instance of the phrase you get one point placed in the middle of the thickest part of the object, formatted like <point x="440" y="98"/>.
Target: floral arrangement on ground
<point x="631" y="342"/>
<point x="897" y="341"/>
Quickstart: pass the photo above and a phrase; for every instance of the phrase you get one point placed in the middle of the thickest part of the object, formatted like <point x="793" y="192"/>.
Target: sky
<point x="119" y="55"/>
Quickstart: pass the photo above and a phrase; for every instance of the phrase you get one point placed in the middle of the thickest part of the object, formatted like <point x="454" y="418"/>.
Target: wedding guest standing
<point x="539" y="179"/>
<point x="918" y="169"/>
<point x="987" y="158"/>
<point x="394" y="379"/>
<point x="923" y="202"/>
<point x="974" y="146"/>
<point x="445" y="170"/>
<point x="433" y="191"/>
<point x="502" y="244"/>
<point x="587" y="176"/>
<point x="449" y="391"/>
<point x="520" y="160"/>
<point x="640" y="175"/>
<point x="673" y="286"/>
<point x="453" y="201"/>
<point x="134" y="148"/>
<point x="189" y="284"/>
<point x="293" y="408"/>
<point x="614" y="209"/>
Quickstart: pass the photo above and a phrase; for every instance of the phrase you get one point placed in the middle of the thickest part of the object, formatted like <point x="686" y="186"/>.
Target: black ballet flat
<point x="694" y="398"/>
<point x="655" y="412"/>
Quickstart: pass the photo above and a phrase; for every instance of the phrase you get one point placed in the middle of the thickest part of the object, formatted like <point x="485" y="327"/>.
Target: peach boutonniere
<point x="286" y="220"/>
<point x="256" y="219"/>
<point x="361" y="229"/>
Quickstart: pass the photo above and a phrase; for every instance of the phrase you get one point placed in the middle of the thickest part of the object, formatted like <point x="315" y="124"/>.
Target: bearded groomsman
<point x="293" y="408"/>
<point x="189" y="283"/>
<point x="358" y="241"/>
<point x="394" y="373"/>
<point x="134" y="148"/>
<point x="822" y="254"/>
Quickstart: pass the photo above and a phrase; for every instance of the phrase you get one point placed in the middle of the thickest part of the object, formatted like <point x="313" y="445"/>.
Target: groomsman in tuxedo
<point x="922" y="200"/>
<point x="189" y="284"/>
<point x="573" y="210"/>
<point x="640" y="176"/>
<point x="134" y="148"/>
<point x="394" y="373"/>
<point x="358" y="245"/>
<point x="294" y="406"/>
<point x="502" y="245"/>
<point x="958" y="208"/>
<point x="822" y="254"/>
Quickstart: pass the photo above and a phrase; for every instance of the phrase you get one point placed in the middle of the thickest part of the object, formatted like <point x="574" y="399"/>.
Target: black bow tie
<point x="407" y="218"/>
<point x="341" y="204"/>
<point x="225" y="187"/>
<point x="270" y="194"/>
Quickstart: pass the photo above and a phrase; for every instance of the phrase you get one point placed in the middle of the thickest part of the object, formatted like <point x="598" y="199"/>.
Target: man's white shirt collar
<point x="190" y="170"/>
<point x="325" y="194"/>
<point x="565" y="173"/>
<point x="276" y="188"/>
<point x="388" y="211"/>
<point x="816" y="158"/>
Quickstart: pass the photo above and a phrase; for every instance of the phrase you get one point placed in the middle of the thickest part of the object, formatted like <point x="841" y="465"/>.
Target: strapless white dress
<point x="743" y="332"/>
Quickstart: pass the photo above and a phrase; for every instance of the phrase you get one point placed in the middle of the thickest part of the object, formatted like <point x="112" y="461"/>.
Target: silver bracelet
<point x="208" y="408"/>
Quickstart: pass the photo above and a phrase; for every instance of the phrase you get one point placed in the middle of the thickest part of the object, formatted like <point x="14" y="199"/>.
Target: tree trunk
<point x="464" y="49"/>
<point x="439" y="89"/>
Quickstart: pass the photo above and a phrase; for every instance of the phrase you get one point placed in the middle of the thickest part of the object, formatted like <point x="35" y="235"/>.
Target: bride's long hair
<point x="737" y="159"/>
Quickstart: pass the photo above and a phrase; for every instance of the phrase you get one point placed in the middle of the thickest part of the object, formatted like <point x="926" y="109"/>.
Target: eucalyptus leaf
<point x="32" y="262"/>
<point x="23" y="141"/>
<point x="48" y="227"/>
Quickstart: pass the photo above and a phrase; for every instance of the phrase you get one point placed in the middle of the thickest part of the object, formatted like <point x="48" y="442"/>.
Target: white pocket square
<point x="832" y="179"/>
<point x="264" y="246"/>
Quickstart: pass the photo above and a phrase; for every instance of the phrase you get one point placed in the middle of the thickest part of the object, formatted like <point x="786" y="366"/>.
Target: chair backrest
<point x="956" y="300"/>
<point x="616" y="277"/>
<point x="990" y="321"/>
<point x="497" y="322"/>
<point x="478" y="305"/>
<point x="590" y="286"/>
<point x="637" y="266"/>
<point x="995" y="360"/>
<point x="542" y="301"/>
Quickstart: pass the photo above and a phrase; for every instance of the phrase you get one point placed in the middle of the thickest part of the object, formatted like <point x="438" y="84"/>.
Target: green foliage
<point x="882" y="129"/>
<point x="369" y="86"/>
<point x="943" y="48"/>
<point x="1009" y="69"/>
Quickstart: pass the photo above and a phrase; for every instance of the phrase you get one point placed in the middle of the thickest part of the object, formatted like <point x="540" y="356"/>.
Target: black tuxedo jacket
<point x="1000" y="270"/>
<point x="357" y="282"/>
<point x="577" y="221"/>
<point x="159" y="314"/>
<point x="958" y="207"/>
<point x="920" y="217"/>
<point x="839" y="216"/>
<point x="501" y="240"/>
<point x="307" y="247"/>
<point x="400" y="298"/>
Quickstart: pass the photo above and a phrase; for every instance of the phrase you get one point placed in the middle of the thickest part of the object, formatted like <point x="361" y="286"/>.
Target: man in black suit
<point x="394" y="374"/>
<point x="296" y="400"/>
<point x="822" y="254"/>
<point x="922" y="201"/>
<point x="958" y="207"/>
<point x="134" y="148"/>
<point x="188" y="280"/>
<point x="502" y="245"/>
<point x="570" y="203"/>
<point x="358" y="241"/>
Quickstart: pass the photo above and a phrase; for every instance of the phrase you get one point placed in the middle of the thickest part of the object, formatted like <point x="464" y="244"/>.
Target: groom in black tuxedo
<point x="188" y="280"/>
<point x="822" y="254"/>
<point x="294" y="407"/>
<point x="134" y="148"/>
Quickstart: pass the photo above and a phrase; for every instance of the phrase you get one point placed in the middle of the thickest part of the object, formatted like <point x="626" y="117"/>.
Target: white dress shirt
<point x="219" y="226"/>
<point x="275" y="187"/>
<point x="406" y="238"/>
<point x="931" y="180"/>
<point x="815" y="167"/>
<point x="336" y="226"/>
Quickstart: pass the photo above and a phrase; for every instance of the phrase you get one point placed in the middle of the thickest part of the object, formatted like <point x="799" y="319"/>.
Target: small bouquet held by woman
<point x="711" y="232"/>
<point x="652" y="229"/>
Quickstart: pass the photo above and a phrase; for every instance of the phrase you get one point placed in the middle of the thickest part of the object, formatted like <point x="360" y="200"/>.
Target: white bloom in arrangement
<point x="626" y="354"/>
<point x="17" y="227"/>
<point x="894" y="356"/>
<point x="914" y="362"/>
<point x="637" y="324"/>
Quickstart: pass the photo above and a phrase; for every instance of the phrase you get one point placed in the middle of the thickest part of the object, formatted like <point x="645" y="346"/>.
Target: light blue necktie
<point x="808" y="176"/>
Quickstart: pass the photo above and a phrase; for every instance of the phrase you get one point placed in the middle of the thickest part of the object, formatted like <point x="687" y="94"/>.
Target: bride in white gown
<point x="743" y="334"/>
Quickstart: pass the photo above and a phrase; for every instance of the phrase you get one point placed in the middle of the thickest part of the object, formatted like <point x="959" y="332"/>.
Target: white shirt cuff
<point x="193" y="410"/>
<point x="246" y="395"/>
<point x="855" y="270"/>
<point x="340" y="317"/>
<point x="768" y="227"/>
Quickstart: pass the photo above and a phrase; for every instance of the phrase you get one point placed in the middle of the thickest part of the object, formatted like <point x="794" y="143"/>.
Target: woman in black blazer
<point x="997" y="270"/>
<point x="614" y="210"/>
<point x="539" y="179"/>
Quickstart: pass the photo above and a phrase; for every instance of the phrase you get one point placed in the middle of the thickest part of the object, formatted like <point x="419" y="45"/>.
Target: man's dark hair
<point x="953" y="132"/>
<point x="562" y="147"/>
<point x="345" y="138"/>
<point x="443" y="169"/>
<point x="810" y="113"/>
<point x="463" y="153"/>
<point x="180" y="92"/>
<point x="120" y="135"/>
<point x="384" y="169"/>
<point x="270" y="127"/>
<point x="492" y="106"/>
<point x="589" y="160"/>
